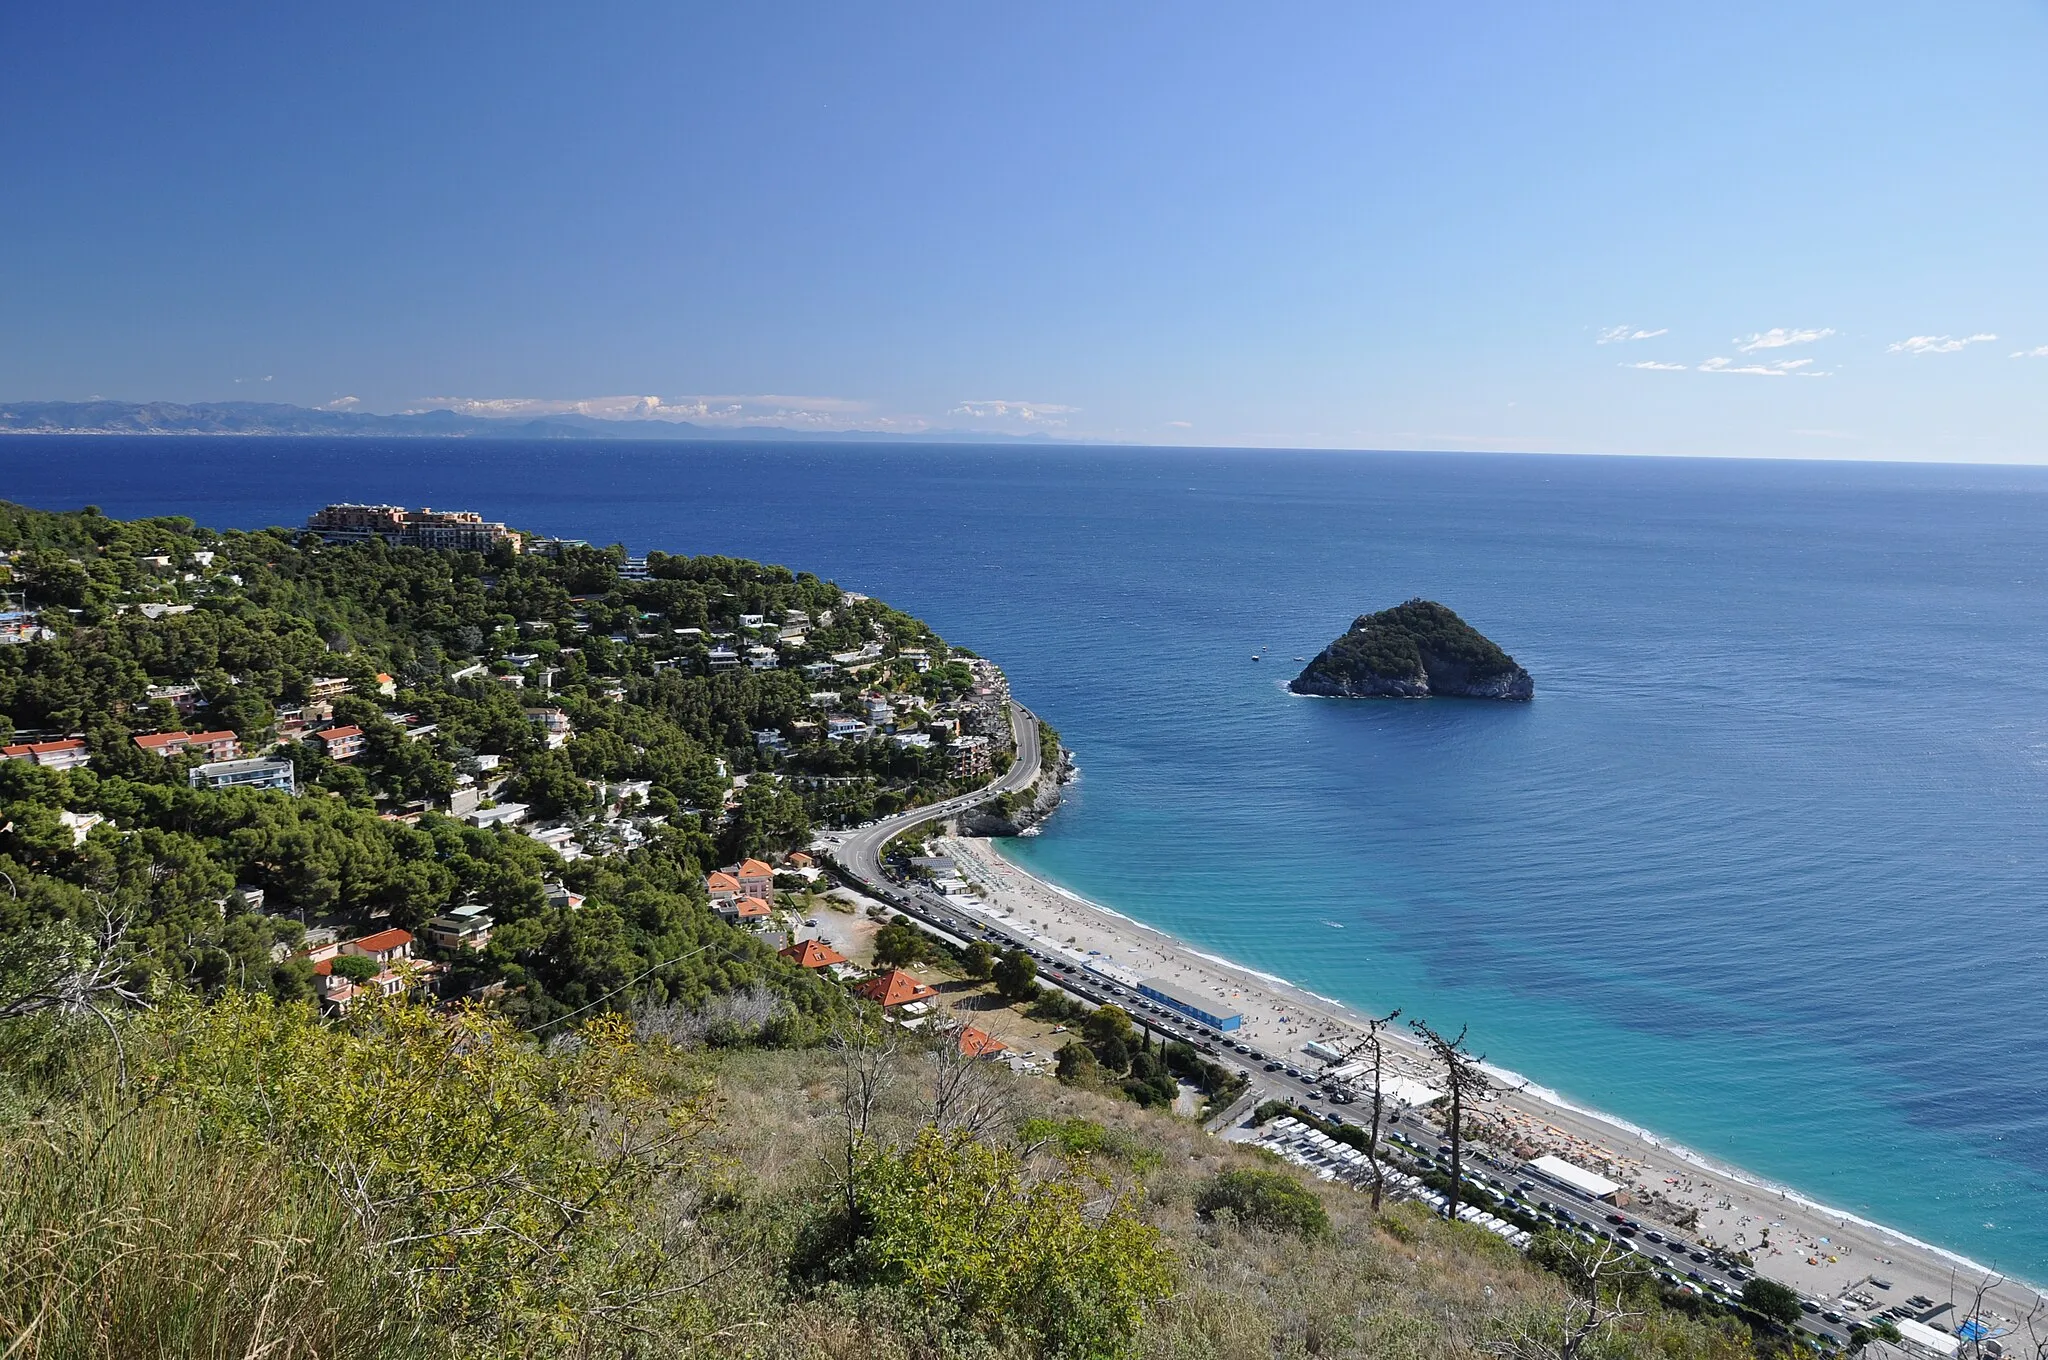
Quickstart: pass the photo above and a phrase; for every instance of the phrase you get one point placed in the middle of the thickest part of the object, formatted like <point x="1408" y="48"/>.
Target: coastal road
<point x="859" y="851"/>
<point x="857" y="854"/>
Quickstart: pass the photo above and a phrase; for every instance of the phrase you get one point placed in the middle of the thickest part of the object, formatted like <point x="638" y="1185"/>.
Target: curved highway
<point x="857" y="854"/>
<point x="859" y="851"/>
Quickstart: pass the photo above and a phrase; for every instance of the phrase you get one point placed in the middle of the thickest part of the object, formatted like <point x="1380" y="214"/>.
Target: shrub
<point x="958" y="1224"/>
<point x="1266" y="1199"/>
<point x="1085" y="1138"/>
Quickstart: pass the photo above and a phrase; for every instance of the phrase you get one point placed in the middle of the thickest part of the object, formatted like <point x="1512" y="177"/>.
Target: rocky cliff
<point x="1417" y="650"/>
<point x="1009" y="816"/>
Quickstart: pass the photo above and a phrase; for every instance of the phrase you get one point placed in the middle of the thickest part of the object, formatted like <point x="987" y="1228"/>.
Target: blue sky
<point x="1356" y="225"/>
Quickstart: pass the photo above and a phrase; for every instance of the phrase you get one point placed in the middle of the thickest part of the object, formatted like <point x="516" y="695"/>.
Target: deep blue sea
<point x="1761" y="868"/>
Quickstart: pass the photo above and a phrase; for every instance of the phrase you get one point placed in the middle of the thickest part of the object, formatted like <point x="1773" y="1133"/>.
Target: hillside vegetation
<point x="402" y="1184"/>
<point x="623" y="1127"/>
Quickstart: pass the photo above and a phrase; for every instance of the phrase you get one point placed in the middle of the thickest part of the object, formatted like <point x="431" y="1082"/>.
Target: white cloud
<point x="1621" y="335"/>
<point x="342" y="404"/>
<point x="1181" y="424"/>
<point x="729" y="412"/>
<point x="1653" y="364"/>
<point x="1778" y="337"/>
<point x="1029" y="412"/>
<point x="1782" y="368"/>
<point x="2038" y="352"/>
<point x="1935" y="344"/>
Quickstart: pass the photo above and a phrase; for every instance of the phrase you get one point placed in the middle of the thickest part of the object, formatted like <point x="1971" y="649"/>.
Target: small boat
<point x="1257" y="657"/>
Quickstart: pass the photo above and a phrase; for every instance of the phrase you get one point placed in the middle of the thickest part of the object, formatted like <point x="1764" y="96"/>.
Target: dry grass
<point x="143" y="1243"/>
<point x="1402" y="1286"/>
<point x="132" y="1238"/>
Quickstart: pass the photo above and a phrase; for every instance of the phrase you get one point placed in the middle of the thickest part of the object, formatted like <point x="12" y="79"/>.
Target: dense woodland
<point x="273" y="612"/>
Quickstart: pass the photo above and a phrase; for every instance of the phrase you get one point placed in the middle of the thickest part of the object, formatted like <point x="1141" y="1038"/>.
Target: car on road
<point x="1611" y="1218"/>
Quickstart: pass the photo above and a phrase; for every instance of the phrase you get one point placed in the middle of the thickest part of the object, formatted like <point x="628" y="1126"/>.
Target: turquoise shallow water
<point x="1760" y="869"/>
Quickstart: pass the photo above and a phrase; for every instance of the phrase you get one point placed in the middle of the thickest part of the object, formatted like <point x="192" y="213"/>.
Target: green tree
<point x="980" y="961"/>
<point x="1769" y="1299"/>
<point x="1016" y="975"/>
<point x="900" y="944"/>
<point x="1877" y="1329"/>
<point x="354" y="968"/>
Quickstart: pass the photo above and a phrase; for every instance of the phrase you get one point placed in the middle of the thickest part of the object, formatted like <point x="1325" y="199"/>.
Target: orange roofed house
<point x="979" y="1043"/>
<point x="386" y="947"/>
<point x="341" y="743"/>
<point x="757" y="880"/>
<point x="722" y="887"/>
<point x="58" y="755"/>
<point x="746" y="911"/>
<point x="895" y="988"/>
<point x="212" y="745"/>
<point x="813" y="954"/>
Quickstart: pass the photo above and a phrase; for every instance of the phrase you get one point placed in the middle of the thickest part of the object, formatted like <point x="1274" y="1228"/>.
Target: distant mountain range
<point x="276" y="418"/>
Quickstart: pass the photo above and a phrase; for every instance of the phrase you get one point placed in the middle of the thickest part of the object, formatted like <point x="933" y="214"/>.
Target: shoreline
<point x="1831" y="1251"/>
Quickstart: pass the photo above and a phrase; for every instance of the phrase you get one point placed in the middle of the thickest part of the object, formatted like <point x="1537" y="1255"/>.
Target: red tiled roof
<point x="894" y="988"/>
<point x="43" y="748"/>
<point x="977" y="1043"/>
<point x="754" y="868"/>
<point x="382" y="940"/>
<point x="813" y="954"/>
<point x="752" y="907"/>
<point x="722" y="882"/>
<point x="337" y="733"/>
<point x="801" y="860"/>
<point x="156" y="741"/>
<point x="209" y="738"/>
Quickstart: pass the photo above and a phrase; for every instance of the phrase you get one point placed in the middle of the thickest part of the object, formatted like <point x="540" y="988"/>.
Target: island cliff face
<point x="1417" y="650"/>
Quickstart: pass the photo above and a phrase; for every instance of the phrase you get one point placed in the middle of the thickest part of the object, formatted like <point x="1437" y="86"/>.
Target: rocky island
<point x="1417" y="650"/>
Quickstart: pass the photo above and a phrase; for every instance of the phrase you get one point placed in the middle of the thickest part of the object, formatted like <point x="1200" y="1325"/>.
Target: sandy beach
<point x="1827" y="1256"/>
